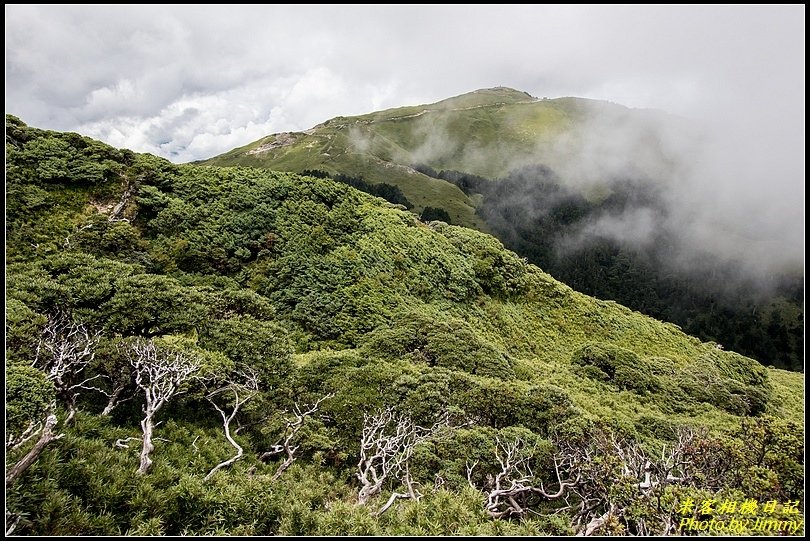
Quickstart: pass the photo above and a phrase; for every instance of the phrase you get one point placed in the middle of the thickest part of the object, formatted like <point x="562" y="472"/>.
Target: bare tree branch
<point x="64" y="351"/>
<point x="510" y="487"/>
<point x="470" y="468"/>
<point x="586" y="473"/>
<point x="160" y="375"/>
<point x="122" y="443"/>
<point x="243" y="392"/>
<point x="47" y="436"/>
<point x="114" y="398"/>
<point x="386" y="446"/>
<point x="294" y="423"/>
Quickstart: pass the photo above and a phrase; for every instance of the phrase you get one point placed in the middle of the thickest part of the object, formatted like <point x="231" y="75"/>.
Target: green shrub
<point x="23" y="328"/>
<point x="441" y="342"/>
<point x="719" y="380"/>
<point x="501" y="404"/>
<point x="621" y="367"/>
<point x="261" y="345"/>
<point x="28" y="395"/>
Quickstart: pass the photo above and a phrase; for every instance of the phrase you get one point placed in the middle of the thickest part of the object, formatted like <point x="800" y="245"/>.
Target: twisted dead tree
<point x="64" y="351"/>
<point x="386" y="446"/>
<point x="585" y="474"/>
<point x="626" y="462"/>
<point x="509" y="490"/>
<point x="243" y="390"/>
<point x="47" y="434"/>
<point x="294" y="422"/>
<point x="115" y="397"/>
<point x="160" y="374"/>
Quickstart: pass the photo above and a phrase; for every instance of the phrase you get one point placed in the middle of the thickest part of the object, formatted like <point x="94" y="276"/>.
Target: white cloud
<point x="190" y="83"/>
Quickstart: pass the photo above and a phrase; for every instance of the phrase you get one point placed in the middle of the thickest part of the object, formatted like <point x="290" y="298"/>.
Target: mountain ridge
<point x="344" y="302"/>
<point x="587" y="189"/>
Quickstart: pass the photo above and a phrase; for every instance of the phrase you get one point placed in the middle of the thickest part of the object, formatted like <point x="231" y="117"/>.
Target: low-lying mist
<point x="708" y="197"/>
<point x="635" y="206"/>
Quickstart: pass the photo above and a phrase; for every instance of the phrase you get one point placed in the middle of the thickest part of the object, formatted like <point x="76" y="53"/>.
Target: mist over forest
<point x="404" y="270"/>
<point x="623" y="248"/>
<point x="630" y="205"/>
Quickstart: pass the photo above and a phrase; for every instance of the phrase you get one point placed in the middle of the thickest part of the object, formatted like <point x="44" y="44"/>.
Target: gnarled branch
<point x="160" y="375"/>
<point x="386" y="446"/>
<point x="47" y="436"/>
<point x="242" y="391"/>
<point x="64" y="351"/>
<point x="294" y="422"/>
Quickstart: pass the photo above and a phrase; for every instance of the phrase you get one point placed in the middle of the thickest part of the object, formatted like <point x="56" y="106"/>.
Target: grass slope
<point x="380" y="309"/>
<point x="450" y="134"/>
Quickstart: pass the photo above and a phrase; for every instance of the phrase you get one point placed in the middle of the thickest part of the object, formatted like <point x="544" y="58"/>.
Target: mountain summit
<point x="487" y="132"/>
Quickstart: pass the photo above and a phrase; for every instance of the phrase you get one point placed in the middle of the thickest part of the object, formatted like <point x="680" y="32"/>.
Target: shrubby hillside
<point x="204" y="350"/>
<point x="582" y="188"/>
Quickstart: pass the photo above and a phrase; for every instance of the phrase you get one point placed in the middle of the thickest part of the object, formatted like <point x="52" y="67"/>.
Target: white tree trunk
<point x="386" y="445"/>
<point x="45" y="438"/>
<point x="233" y="459"/>
<point x="159" y="374"/>
<point x="148" y="427"/>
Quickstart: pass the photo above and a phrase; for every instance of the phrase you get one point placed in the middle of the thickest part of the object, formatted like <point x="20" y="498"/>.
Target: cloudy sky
<point x="189" y="83"/>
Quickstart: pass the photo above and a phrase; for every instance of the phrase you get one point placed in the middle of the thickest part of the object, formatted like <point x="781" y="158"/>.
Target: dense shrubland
<point x="250" y="352"/>
<point x="553" y="226"/>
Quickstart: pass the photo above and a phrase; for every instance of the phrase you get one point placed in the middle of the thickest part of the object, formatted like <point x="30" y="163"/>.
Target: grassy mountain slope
<point x="382" y="146"/>
<point x="488" y="132"/>
<point x="324" y="289"/>
<point x="551" y="178"/>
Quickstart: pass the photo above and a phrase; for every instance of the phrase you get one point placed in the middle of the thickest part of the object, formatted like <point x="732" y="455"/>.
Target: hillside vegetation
<point x="247" y="352"/>
<point x="551" y="179"/>
<point x="383" y="146"/>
